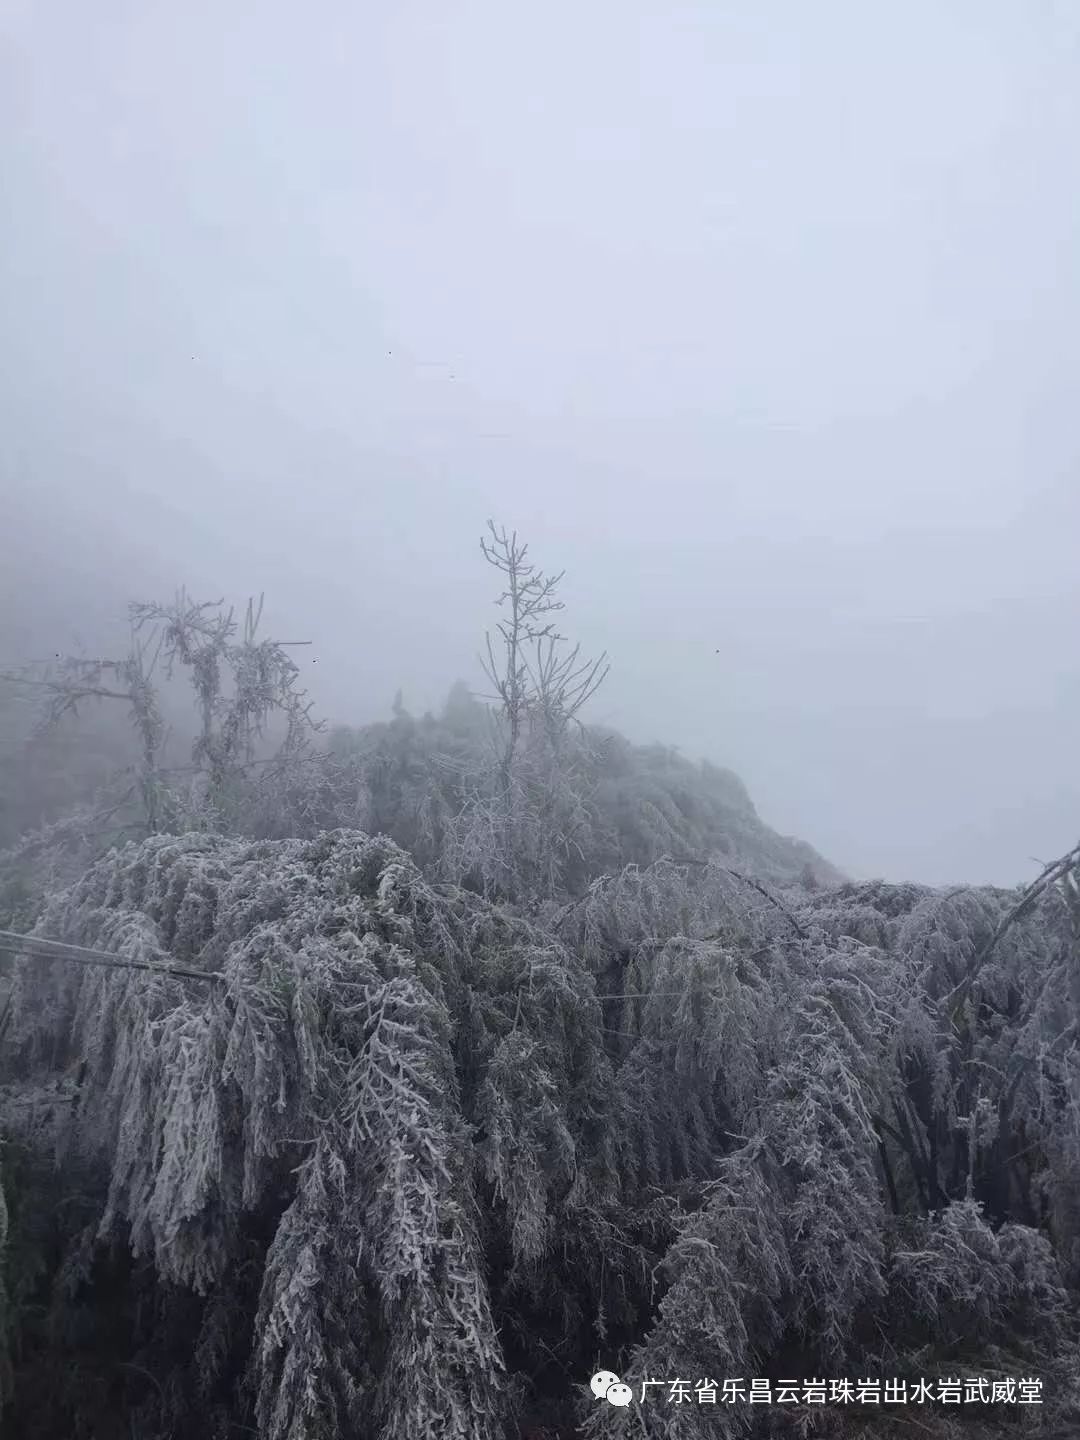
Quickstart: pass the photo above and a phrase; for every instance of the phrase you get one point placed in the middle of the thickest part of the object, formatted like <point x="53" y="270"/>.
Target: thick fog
<point x="761" y="320"/>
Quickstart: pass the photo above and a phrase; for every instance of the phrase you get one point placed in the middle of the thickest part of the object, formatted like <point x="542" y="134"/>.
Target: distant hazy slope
<point x="666" y="804"/>
<point x="643" y="801"/>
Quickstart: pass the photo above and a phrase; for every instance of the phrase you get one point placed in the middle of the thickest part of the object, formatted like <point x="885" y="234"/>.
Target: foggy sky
<point x="761" y="319"/>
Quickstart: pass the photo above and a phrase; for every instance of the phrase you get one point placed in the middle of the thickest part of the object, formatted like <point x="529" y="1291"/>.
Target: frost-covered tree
<point x="365" y="1063"/>
<point x="242" y="688"/>
<point x="405" y="1162"/>
<point x="527" y="813"/>
<point x="241" y="685"/>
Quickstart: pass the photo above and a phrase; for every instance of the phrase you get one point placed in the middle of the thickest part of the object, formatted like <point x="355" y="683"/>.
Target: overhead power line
<point x="38" y="947"/>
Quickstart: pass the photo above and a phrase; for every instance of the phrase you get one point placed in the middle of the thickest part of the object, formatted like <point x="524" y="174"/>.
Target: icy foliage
<point x="318" y="1084"/>
<point x="406" y="1162"/>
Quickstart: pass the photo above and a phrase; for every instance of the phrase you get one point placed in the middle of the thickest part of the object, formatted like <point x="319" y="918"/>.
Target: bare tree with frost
<point x="518" y="829"/>
<point x="242" y="686"/>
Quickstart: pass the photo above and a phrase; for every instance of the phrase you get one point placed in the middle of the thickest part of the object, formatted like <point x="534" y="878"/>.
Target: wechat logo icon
<point x="606" y="1385"/>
